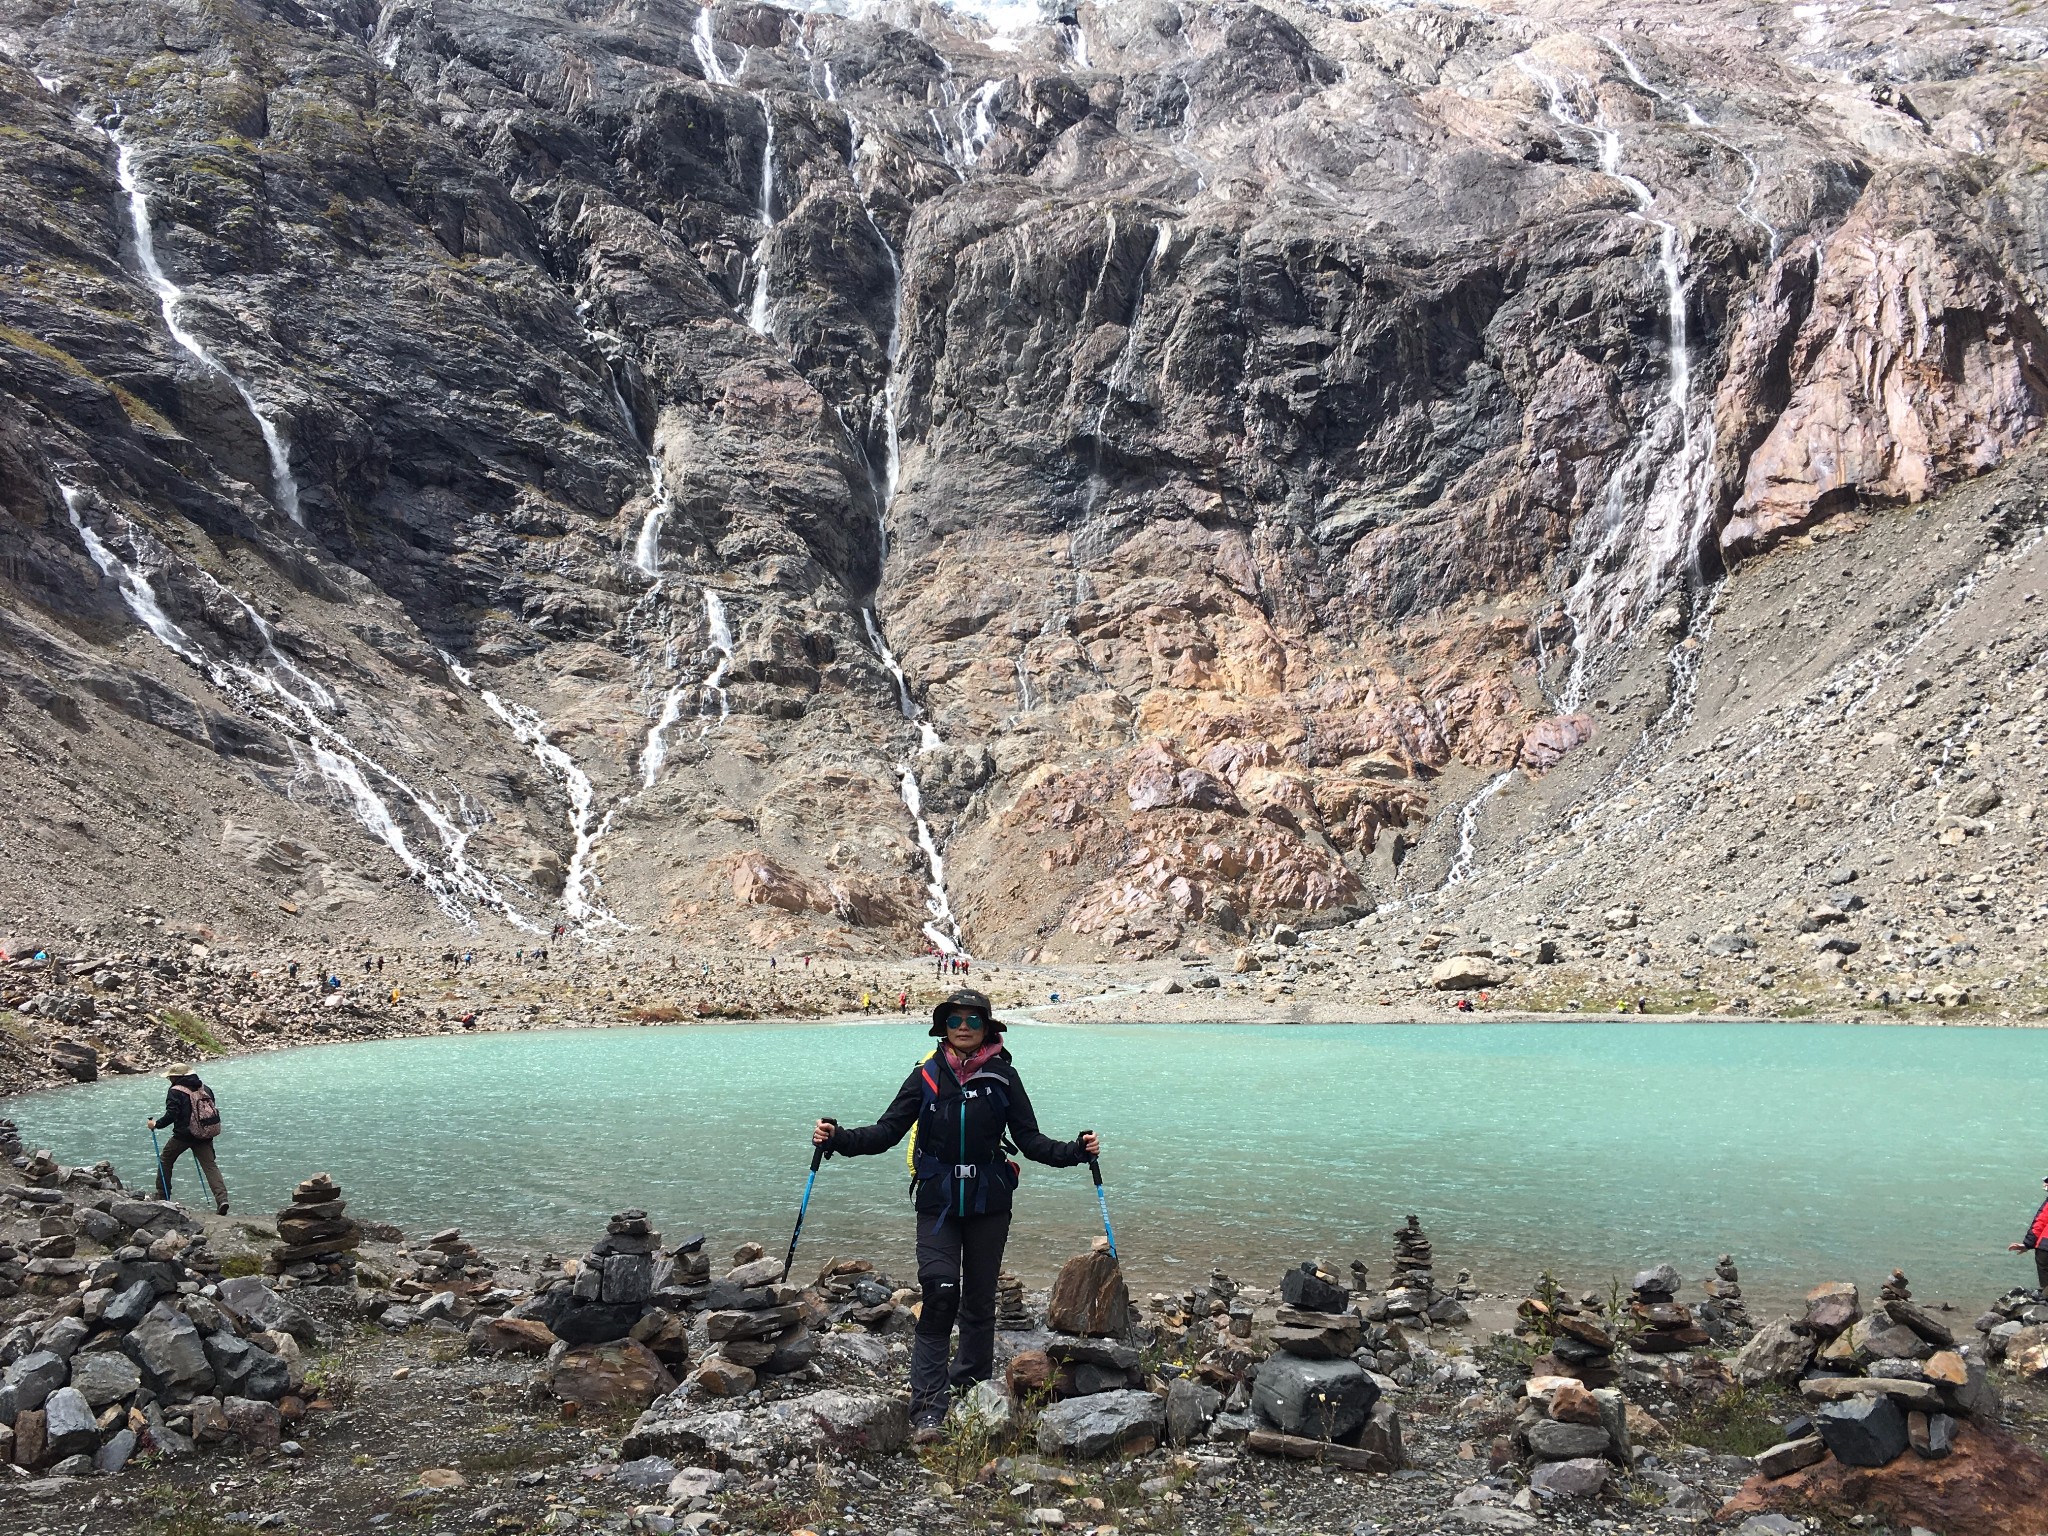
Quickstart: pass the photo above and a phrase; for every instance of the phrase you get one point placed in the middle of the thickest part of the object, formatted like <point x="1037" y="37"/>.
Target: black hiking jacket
<point x="961" y="1129"/>
<point x="177" y="1116"/>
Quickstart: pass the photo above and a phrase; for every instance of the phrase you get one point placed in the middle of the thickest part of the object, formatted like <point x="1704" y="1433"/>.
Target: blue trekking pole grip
<point x="817" y="1157"/>
<point x="1095" y="1171"/>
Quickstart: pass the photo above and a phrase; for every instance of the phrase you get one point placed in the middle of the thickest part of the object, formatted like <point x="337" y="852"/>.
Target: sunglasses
<point x="965" y="1021"/>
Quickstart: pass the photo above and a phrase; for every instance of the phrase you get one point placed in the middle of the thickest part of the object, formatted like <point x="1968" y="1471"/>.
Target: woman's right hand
<point x="823" y="1132"/>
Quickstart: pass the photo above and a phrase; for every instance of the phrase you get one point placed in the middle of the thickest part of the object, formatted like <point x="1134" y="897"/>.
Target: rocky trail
<point x="412" y="1383"/>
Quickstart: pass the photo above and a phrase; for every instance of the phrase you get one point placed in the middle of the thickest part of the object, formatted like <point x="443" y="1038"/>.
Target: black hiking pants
<point x="957" y="1264"/>
<point x="2040" y="1266"/>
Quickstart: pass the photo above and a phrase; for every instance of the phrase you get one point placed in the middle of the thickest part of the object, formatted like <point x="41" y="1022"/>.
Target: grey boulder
<point x="31" y="1379"/>
<point x="1552" y="1441"/>
<point x="240" y="1369"/>
<point x="1317" y="1399"/>
<point x="105" y="1376"/>
<point x="1100" y="1425"/>
<point x="129" y="1306"/>
<point x="68" y="1425"/>
<point x="1189" y="1408"/>
<point x="847" y="1423"/>
<point x="1777" y="1353"/>
<point x="1579" y="1478"/>
<point x="1863" y="1432"/>
<point x="170" y="1352"/>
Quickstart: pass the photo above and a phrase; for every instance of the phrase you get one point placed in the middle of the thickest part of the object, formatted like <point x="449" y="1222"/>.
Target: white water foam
<point x="758" y="317"/>
<point x="455" y="884"/>
<point x="705" y="46"/>
<point x="1468" y="827"/>
<point x="285" y="488"/>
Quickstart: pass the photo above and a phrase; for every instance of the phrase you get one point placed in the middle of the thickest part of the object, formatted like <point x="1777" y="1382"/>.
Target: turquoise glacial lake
<point x="1809" y="1152"/>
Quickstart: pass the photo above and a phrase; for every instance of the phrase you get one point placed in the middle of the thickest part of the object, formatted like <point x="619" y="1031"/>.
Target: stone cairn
<point x="1723" y="1312"/>
<point x="143" y="1349"/>
<point x="1311" y="1398"/>
<point x="10" y="1139"/>
<point x="1581" y="1344"/>
<point x="447" y="1264"/>
<point x="1876" y="1385"/>
<point x="316" y="1241"/>
<point x="1411" y="1294"/>
<point x="854" y="1292"/>
<point x="1573" y="1435"/>
<point x="1011" y="1313"/>
<point x="1667" y="1323"/>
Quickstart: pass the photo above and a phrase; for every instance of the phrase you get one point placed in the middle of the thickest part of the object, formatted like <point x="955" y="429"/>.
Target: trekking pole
<point x="1095" y="1171"/>
<point x="817" y="1157"/>
<point x="163" y="1182"/>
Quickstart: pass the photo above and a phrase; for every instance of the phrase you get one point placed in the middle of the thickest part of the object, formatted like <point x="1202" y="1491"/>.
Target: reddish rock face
<point x="1989" y="1484"/>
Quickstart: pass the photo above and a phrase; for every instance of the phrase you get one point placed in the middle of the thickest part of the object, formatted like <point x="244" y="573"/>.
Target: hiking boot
<point x="223" y="1210"/>
<point x="927" y="1425"/>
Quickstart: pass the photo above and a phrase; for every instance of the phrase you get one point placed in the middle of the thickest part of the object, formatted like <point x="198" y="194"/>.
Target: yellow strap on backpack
<point x="910" y="1147"/>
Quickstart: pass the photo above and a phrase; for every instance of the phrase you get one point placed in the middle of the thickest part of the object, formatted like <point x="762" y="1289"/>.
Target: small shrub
<point x="236" y="1265"/>
<point x="193" y="1030"/>
<point x="1740" y="1422"/>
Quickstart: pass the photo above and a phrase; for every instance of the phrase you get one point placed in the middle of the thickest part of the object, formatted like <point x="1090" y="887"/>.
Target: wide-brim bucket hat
<point x="963" y="1001"/>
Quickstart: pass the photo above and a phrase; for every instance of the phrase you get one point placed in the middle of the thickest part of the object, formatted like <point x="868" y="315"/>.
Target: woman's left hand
<point x="1091" y="1144"/>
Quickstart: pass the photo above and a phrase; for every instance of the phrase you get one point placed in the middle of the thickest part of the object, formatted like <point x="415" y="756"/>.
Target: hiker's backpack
<point x="205" y="1116"/>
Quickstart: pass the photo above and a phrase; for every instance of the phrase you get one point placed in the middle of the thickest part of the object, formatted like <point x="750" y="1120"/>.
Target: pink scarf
<point x="964" y="1069"/>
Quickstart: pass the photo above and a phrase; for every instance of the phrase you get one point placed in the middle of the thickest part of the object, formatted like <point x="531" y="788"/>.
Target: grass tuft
<point x="193" y="1030"/>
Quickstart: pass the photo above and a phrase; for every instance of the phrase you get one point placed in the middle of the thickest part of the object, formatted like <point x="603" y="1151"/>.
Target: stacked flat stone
<point x="855" y="1292"/>
<point x="1895" y="1288"/>
<point x="1668" y="1325"/>
<point x="1581" y="1345"/>
<point x="1311" y="1389"/>
<point x="133" y="1358"/>
<point x="1412" y="1285"/>
<point x="446" y="1264"/>
<point x="1573" y="1435"/>
<point x="316" y="1240"/>
<point x="1723" y="1312"/>
<point x="755" y="1324"/>
<point x="10" y="1139"/>
<point x="1885" y="1383"/>
<point x="1011" y="1313"/>
<point x="42" y="1171"/>
<point x="1315" y="1320"/>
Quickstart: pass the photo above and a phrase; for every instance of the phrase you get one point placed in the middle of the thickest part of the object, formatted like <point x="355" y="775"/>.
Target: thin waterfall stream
<point x="285" y="488"/>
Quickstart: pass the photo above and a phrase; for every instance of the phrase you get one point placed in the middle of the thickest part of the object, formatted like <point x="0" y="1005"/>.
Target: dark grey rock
<point x="1305" y="1289"/>
<point x="1098" y="1426"/>
<point x="63" y="1337"/>
<point x="113" y="1456"/>
<point x="130" y="1306"/>
<point x="240" y="1369"/>
<point x="68" y="1425"/>
<point x="1552" y="1441"/>
<point x="105" y="1376"/>
<point x="1863" y="1432"/>
<point x="171" y="1353"/>
<point x="1318" y="1399"/>
<point x="1190" y="1406"/>
<point x="31" y="1379"/>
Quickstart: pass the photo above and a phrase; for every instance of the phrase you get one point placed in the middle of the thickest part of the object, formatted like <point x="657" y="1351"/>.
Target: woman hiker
<point x="969" y="1107"/>
<point x="2037" y="1240"/>
<point x="194" y="1120"/>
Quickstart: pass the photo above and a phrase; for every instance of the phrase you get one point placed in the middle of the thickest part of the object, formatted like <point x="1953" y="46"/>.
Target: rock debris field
<point x="165" y="1372"/>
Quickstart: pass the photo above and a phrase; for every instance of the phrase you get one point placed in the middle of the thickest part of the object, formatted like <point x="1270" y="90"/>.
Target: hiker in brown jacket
<point x="194" y="1120"/>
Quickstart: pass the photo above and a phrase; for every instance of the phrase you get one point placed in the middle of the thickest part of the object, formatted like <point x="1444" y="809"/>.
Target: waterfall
<point x="1120" y="371"/>
<point x="530" y="731"/>
<point x="720" y="640"/>
<point x="1468" y="826"/>
<point x="284" y="488"/>
<point x="1653" y="508"/>
<point x="454" y="882"/>
<point x="705" y="46"/>
<point x="1024" y="700"/>
<point x="1746" y="204"/>
<point x="944" y="929"/>
<point x="892" y="461"/>
<point x="654" y="755"/>
<point x="974" y="139"/>
<point x="757" y="313"/>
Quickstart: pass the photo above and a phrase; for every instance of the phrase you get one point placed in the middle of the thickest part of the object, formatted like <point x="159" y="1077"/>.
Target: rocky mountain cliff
<point x="1071" y="486"/>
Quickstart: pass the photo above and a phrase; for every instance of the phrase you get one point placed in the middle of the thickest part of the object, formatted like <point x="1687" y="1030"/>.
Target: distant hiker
<point x="2036" y="1239"/>
<point x="194" y="1121"/>
<point x="964" y="1100"/>
<point x="903" y="1000"/>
